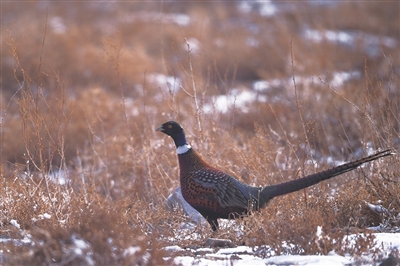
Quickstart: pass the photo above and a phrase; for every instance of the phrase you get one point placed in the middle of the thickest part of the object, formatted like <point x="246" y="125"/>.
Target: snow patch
<point x="82" y="249"/>
<point x="173" y="248"/>
<point x="194" y="45"/>
<point x="265" y="8"/>
<point x="239" y="99"/>
<point x="57" y="25"/>
<point x="169" y="83"/>
<point x="309" y="260"/>
<point x="131" y="251"/>
<point x="369" y="42"/>
<point x="169" y="18"/>
<point x="15" y="223"/>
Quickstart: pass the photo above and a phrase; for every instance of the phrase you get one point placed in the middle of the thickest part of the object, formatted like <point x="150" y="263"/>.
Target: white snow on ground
<point x="193" y="45"/>
<point x="336" y="79"/>
<point x="238" y="256"/>
<point x="243" y="255"/>
<point x="131" y="251"/>
<point x="15" y="223"/>
<point x="349" y="37"/>
<point x="242" y="98"/>
<point x="168" y="83"/>
<point x="369" y="42"/>
<point x="169" y="18"/>
<point x="308" y="260"/>
<point x="57" y="25"/>
<point x="265" y="7"/>
<point x="388" y="241"/>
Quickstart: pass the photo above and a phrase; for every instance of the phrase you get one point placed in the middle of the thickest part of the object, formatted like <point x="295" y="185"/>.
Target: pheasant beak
<point x="160" y="128"/>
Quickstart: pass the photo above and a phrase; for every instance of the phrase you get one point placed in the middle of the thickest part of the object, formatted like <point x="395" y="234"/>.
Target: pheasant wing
<point x="229" y="192"/>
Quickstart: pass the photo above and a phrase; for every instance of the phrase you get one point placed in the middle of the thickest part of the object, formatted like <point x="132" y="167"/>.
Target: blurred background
<point x="116" y="70"/>
<point x="268" y="91"/>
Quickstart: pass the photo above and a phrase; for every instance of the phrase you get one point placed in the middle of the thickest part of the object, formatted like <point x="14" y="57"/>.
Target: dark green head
<point x="175" y="131"/>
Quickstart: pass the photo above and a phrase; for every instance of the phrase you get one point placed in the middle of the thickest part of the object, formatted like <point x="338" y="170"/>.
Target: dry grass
<point x="80" y="106"/>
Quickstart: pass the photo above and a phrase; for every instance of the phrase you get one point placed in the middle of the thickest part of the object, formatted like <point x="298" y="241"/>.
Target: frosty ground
<point x="268" y="91"/>
<point x="243" y="255"/>
<point x="385" y="244"/>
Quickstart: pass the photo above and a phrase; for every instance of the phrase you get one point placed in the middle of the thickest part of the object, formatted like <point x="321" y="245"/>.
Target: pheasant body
<point x="215" y="194"/>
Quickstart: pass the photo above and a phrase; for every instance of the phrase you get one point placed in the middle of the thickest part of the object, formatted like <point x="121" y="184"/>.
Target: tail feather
<point x="270" y="192"/>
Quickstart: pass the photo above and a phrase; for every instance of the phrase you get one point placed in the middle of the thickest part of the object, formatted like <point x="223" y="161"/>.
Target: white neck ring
<point x="183" y="149"/>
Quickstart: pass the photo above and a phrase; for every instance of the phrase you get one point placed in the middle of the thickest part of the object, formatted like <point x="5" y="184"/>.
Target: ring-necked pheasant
<point x="215" y="194"/>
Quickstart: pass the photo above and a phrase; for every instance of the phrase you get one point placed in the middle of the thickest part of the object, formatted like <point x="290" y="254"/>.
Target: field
<point x="267" y="91"/>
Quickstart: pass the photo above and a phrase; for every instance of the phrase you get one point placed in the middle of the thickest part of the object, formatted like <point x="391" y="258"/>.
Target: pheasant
<point x="215" y="194"/>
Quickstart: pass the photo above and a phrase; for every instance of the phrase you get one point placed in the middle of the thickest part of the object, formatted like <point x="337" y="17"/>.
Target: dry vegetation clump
<point x="84" y="177"/>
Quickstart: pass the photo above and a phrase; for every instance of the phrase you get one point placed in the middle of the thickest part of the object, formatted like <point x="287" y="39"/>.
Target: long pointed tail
<point x="270" y="192"/>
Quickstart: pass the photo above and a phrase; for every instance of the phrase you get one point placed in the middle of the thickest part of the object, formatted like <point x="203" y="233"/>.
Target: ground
<point x="268" y="91"/>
